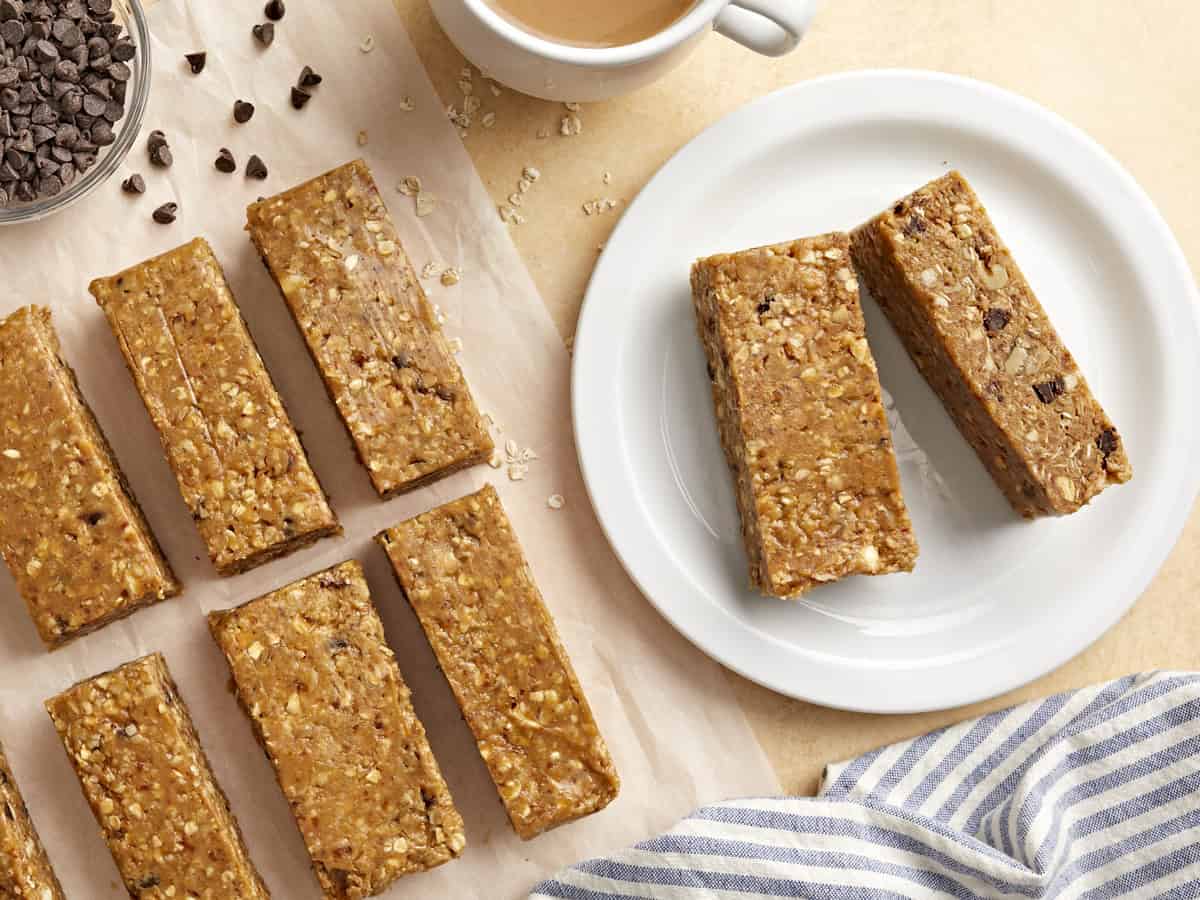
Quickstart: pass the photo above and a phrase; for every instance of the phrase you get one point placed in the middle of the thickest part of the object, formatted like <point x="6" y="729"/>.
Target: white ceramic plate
<point x="995" y="601"/>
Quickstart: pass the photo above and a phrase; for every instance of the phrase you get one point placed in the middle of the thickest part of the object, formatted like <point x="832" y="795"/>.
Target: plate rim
<point x="1141" y="573"/>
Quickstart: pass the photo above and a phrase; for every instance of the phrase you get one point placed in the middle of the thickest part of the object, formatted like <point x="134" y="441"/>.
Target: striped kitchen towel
<point x="1089" y="794"/>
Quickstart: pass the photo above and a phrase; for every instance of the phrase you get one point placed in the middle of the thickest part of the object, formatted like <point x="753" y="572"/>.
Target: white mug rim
<point x="696" y="19"/>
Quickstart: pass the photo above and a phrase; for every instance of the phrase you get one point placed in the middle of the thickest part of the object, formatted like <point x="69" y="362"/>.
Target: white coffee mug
<point x="553" y="71"/>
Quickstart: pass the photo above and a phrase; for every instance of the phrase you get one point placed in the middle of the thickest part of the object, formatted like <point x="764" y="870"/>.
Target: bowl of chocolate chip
<point x="74" y="80"/>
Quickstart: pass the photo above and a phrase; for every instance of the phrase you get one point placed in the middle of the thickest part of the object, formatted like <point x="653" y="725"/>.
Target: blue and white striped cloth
<point x="1088" y="794"/>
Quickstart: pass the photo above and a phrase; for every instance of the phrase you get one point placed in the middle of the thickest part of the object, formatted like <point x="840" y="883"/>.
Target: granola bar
<point x="976" y="331"/>
<point x="237" y="458"/>
<point x="328" y="705"/>
<point x="799" y="410"/>
<point x="465" y="575"/>
<point x="25" y="872"/>
<point x="333" y="250"/>
<point x="71" y="532"/>
<point x="139" y="760"/>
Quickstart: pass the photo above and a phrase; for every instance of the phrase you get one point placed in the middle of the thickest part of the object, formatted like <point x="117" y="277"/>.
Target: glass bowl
<point x="131" y="14"/>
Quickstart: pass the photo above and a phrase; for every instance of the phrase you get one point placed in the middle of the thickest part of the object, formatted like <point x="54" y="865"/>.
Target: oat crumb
<point x="407" y="104"/>
<point x="410" y="186"/>
<point x="451" y="277"/>
<point x="368" y="44"/>
<point x="362" y="138"/>
<point x="555" y="501"/>
<point x="426" y="203"/>
<point x="570" y="126"/>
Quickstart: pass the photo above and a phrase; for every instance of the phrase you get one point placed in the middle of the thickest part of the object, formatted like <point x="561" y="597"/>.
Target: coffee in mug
<point x="593" y="23"/>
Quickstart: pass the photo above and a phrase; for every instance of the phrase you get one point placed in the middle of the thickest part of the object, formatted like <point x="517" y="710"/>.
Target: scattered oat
<point x="531" y="173"/>
<point x="570" y="126"/>
<point x="517" y="473"/>
<point x="573" y="107"/>
<point x="606" y="177"/>
<point x="456" y="344"/>
<point x="426" y="203"/>
<point x="570" y="342"/>
<point x="496" y="461"/>
<point x="362" y="138"/>
<point x="489" y="119"/>
<point x="407" y="104"/>
<point x="511" y="448"/>
<point x="368" y="44"/>
<point x="516" y="199"/>
<point x="451" y="277"/>
<point x="465" y="73"/>
<point x="555" y="501"/>
<point x="466" y="86"/>
<point x="430" y="270"/>
<point x="410" y="186"/>
<point x="471" y="105"/>
<point x="524" y="185"/>
<point x="494" y="88"/>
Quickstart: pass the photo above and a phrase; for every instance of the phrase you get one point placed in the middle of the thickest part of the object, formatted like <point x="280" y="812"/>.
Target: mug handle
<point x="769" y="27"/>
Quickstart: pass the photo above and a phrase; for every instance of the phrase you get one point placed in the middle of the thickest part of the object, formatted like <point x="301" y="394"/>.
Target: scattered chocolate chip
<point x="243" y="111"/>
<point x="225" y="161"/>
<point x="165" y="214"/>
<point x="995" y="320"/>
<point x="256" y="168"/>
<point x="155" y="140"/>
<point x="309" y="78"/>
<point x="274" y="10"/>
<point x="197" y="61"/>
<point x="300" y="98"/>
<point x="134" y="184"/>
<point x="1047" y="391"/>
<point x="1107" y="441"/>
<point x="264" y="33"/>
<point x="161" y="157"/>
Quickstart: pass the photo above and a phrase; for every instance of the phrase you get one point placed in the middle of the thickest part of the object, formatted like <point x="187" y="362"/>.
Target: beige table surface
<point x="1124" y="72"/>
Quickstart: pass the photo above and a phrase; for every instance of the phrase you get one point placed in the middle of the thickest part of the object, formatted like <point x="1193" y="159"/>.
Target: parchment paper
<point x="677" y="735"/>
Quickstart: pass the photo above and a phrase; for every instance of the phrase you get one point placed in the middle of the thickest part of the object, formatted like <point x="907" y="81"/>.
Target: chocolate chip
<point x="337" y="644"/>
<point x="300" y="98"/>
<point x="1107" y="441"/>
<point x="765" y="305"/>
<point x="243" y="111"/>
<point x="444" y="393"/>
<point x="225" y="161"/>
<point x="400" y="361"/>
<point x="914" y="226"/>
<point x="995" y="320"/>
<point x="134" y="184"/>
<point x="264" y="33"/>
<point x="256" y="168"/>
<point x="309" y="78"/>
<point x="155" y="140"/>
<point x="197" y="61"/>
<point x="898" y="209"/>
<point x="165" y="214"/>
<point x="1047" y="391"/>
<point x="274" y="10"/>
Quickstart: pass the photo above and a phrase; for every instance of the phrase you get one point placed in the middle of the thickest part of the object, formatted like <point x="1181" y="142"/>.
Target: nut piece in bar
<point x="140" y="764"/>
<point x="333" y="250"/>
<point x="25" y="872"/>
<point x="72" y="534"/>
<point x="976" y="331"/>
<point x="466" y="577"/>
<point x="237" y="458"/>
<point x="799" y="410"/>
<point x="328" y="705"/>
